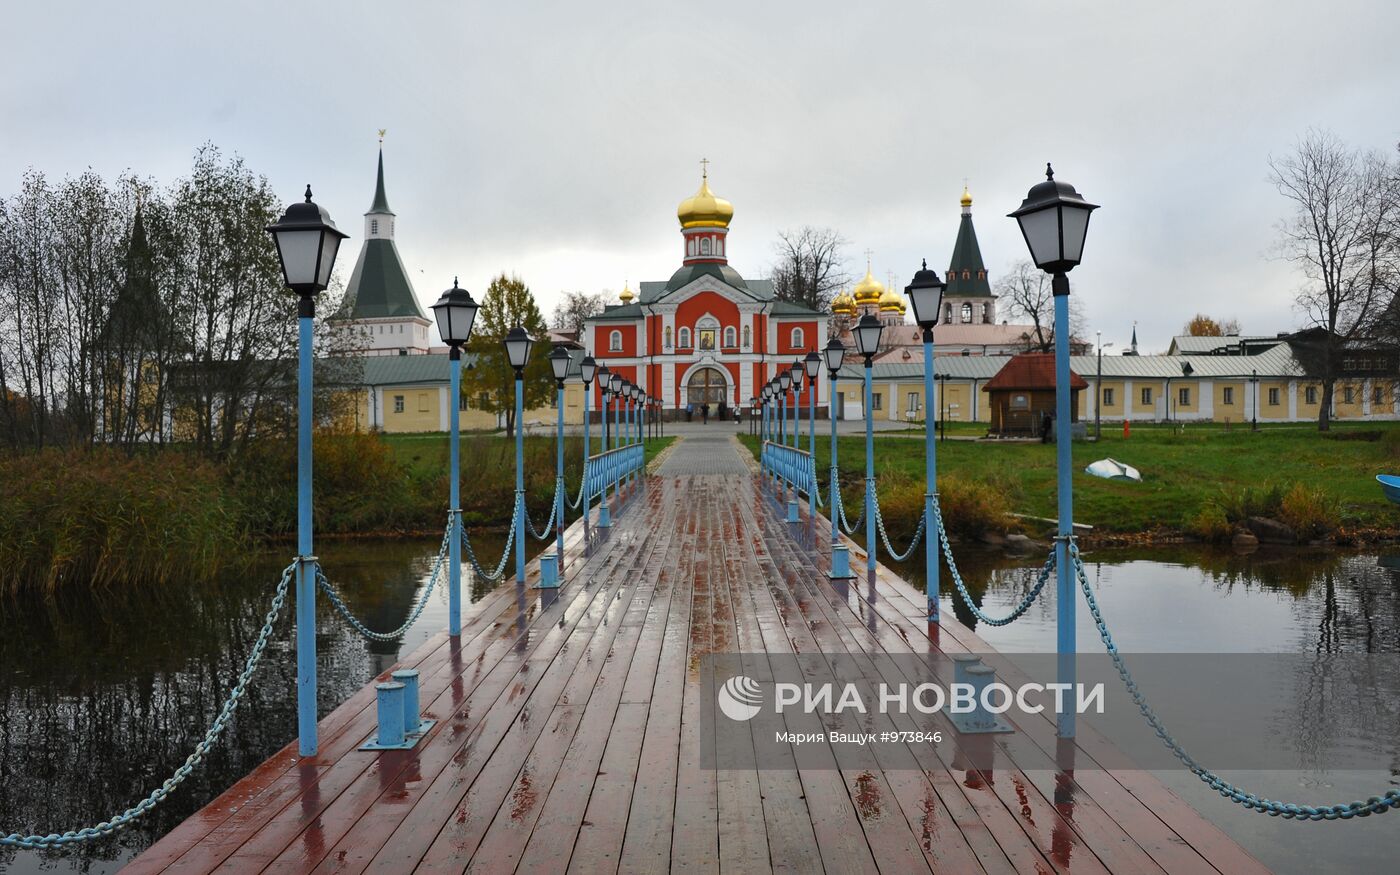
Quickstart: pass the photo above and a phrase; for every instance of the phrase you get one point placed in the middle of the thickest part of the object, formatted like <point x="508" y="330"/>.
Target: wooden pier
<point x="568" y="733"/>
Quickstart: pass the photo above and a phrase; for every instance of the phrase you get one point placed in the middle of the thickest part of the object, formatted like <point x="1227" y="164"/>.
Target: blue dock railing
<point x="604" y="470"/>
<point x="791" y="466"/>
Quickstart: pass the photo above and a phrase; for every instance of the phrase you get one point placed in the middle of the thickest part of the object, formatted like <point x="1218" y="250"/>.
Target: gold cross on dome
<point x="704" y="168"/>
<point x="382" y="132"/>
<point x="868" y="254"/>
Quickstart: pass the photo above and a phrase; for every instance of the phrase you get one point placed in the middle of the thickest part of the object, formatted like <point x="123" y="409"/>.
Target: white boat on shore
<point x="1112" y="469"/>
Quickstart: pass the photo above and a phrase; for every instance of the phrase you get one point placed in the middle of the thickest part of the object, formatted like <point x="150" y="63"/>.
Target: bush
<point x="1209" y="524"/>
<point x="1309" y="512"/>
<point x="1244" y="502"/>
<point x="101" y="518"/>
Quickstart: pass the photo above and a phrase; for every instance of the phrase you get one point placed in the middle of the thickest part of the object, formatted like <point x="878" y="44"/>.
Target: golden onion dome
<point x="868" y="290"/>
<point x="843" y="304"/>
<point x="704" y="209"/>
<point x="890" y="301"/>
<point x="626" y="296"/>
<point x="966" y="198"/>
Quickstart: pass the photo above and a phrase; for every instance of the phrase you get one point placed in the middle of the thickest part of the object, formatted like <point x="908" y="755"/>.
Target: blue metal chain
<point x="918" y="534"/>
<point x="339" y="603"/>
<point x="1045" y="572"/>
<point x="510" y="541"/>
<point x="577" y="502"/>
<point x="1345" y="811"/>
<point x="844" y="522"/>
<point x="112" y="824"/>
<point x="547" y="531"/>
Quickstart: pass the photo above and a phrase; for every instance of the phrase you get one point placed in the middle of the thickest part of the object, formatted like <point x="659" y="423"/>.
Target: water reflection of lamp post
<point x="518" y="343"/>
<point x="455" y="313"/>
<point x="867" y="334"/>
<point x="307" y="243"/>
<point x="926" y="295"/>
<point x="1054" y="220"/>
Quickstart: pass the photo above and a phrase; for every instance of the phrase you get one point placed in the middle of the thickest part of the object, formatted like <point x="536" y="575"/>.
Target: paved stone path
<point x="699" y="455"/>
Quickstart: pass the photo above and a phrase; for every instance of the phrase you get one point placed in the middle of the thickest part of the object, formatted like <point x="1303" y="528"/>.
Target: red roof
<point x="1031" y="370"/>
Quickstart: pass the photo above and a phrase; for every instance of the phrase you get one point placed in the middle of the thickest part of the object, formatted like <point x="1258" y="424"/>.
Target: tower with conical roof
<point x="968" y="298"/>
<point x="379" y="300"/>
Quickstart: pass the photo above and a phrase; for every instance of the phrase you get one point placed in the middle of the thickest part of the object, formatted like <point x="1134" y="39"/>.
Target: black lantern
<point x="925" y="293"/>
<point x="604" y="380"/>
<point x="455" y="312"/>
<point x="615" y="383"/>
<point x="812" y="363"/>
<point x="1054" y="219"/>
<point x="518" y="343"/>
<point x="835" y="353"/>
<point x="796" y="369"/>
<point x="307" y="242"/>
<point x="867" y="334"/>
<point x="784" y="380"/>
<point x="587" y="368"/>
<point x="559" y="363"/>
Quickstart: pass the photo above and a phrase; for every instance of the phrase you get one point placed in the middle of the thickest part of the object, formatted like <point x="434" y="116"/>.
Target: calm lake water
<point x="102" y="698"/>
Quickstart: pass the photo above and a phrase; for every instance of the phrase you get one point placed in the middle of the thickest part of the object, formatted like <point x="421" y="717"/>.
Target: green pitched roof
<point x="967" y="256"/>
<point x="379" y="286"/>
<point x="381" y="203"/>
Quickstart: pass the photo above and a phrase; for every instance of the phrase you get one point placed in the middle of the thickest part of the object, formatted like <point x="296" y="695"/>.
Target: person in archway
<point x="705" y="413"/>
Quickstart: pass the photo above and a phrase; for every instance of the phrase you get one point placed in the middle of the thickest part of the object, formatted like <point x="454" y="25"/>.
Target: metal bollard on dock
<point x="979" y="720"/>
<point x="400" y="725"/>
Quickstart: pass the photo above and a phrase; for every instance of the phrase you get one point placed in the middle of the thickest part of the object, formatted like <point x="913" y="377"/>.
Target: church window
<point x="719" y="246"/>
<point x="729" y="335"/>
<point x="981" y="274"/>
<point x="987" y="314"/>
<point x="683" y="338"/>
<point x="797" y="338"/>
<point x="615" y="342"/>
<point x="462" y="402"/>
<point x="398" y="404"/>
<point x="748" y="337"/>
<point x="948" y="311"/>
<point x="1273" y="397"/>
<point x="1377" y="396"/>
<point x="966" y="313"/>
<point x="1310" y="395"/>
<point x="690" y="246"/>
<point x="374" y="227"/>
<point x="705" y="246"/>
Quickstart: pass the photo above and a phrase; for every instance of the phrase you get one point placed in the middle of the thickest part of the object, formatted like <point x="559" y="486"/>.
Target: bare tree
<point x="1344" y="209"/>
<point x="575" y="309"/>
<point x="809" y="267"/>
<point x="1025" y="289"/>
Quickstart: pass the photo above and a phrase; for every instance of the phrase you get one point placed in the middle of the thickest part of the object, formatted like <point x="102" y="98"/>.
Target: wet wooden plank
<point x="571" y="728"/>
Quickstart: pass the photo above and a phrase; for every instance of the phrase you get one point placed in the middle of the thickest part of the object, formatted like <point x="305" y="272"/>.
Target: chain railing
<point x="547" y="530"/>
<point x="116" y="822"/>
<point x="339" y="603"/>
<point x="1030" y="597"/>
<point x="913" y="545"/>
<point x="500" y="568"/>
<point x="843" y="521"/>
<point x="1288" y="810"/>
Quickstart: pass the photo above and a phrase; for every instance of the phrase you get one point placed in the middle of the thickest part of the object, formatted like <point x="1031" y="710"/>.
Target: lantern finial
<point x="1049" y="171"/>
<point x="308" y="192"/>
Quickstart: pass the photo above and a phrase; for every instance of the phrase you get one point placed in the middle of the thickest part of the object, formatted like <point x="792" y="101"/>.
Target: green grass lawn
<point x="1182" y="470"/>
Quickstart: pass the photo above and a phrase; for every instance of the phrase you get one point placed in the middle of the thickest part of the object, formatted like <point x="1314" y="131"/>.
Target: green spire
<point x="381" y="203"/>
<point x="967" y="258"/>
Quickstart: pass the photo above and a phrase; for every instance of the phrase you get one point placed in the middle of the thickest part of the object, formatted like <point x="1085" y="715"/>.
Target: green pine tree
<point x="490" y="382"/>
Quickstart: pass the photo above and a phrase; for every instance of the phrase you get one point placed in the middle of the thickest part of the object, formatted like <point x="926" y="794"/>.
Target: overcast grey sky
<point x="555" y="139"/>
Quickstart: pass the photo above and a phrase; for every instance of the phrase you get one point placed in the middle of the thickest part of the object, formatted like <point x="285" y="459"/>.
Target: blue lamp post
<point x="615" y="384"/>
<point x="784" y="384"/>
<point x="835" y="354"/>
<point x="559" y="364"/>
<point x="639" y="397"/>
<point x="926" y="294"/>
<point x="796" y="370"/>
<point x="307" y="243"/>
<point x="1054" y="219"/>
<point x="588" y="368"/>
<point x="518" y="343"/>
<point x="455" y="312"/>
<point x="605" y="389"/>
<point x="812" y="364"/>
<point x="867" y="334"/>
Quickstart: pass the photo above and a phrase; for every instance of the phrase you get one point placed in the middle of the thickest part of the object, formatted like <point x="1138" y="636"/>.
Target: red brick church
<point x="706" y="335"/>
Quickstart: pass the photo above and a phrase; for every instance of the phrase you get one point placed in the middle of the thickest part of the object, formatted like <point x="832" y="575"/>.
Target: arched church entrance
<point x="707" y="386"/>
